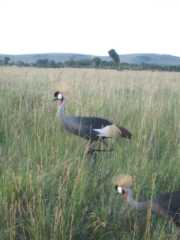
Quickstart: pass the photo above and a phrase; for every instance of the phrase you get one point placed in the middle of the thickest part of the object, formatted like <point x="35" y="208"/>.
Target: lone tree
<point x="96" y="61"/>
<point x="114" y="56"/>
<point x="6" y="60"/>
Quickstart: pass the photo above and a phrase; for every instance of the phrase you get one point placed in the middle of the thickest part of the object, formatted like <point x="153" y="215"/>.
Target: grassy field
<point x="49" y="189"/>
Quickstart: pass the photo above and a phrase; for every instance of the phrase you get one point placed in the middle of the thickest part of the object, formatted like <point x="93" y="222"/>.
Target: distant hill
<point x="161" y="59"/>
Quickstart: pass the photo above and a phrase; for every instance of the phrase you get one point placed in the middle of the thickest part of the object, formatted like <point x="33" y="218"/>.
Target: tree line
<point x="92" y="63"/>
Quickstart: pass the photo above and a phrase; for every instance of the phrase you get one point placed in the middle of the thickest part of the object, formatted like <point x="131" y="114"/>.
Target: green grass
<point x="49" y="189"/>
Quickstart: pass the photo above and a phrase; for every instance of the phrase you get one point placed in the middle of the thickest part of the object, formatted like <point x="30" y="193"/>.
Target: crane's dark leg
<point x="95" y="157"/>
<point x="93" y="151"/>
<point x="92" y="148"/>
<point x="110" y="149"/>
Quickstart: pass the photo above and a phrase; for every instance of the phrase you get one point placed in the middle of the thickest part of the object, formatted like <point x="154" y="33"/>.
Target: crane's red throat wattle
<point x="126" y="196"/>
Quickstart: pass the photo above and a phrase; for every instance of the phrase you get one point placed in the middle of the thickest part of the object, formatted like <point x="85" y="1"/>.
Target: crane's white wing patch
<point x="109" y="131"/>
<point x="103" y="132"/>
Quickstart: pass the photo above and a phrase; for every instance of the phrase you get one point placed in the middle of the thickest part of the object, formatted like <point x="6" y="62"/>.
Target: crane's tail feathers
<point x="123" y="181"/>
<point x="125" y="132"/>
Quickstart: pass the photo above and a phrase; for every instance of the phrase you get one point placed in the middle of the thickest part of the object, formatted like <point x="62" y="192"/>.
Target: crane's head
<point x="125" y="133"/>
<point x="58" y="96"/>
<point x="122" y="185"/>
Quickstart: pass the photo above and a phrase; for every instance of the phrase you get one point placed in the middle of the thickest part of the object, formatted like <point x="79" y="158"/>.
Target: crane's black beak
<point x="55" y="99"/>
<point x="115" y="193"/>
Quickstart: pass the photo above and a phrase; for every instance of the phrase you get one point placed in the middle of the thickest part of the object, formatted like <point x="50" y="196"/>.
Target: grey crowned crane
<point x="90" y="128"/>
<point x="165" y="205"/>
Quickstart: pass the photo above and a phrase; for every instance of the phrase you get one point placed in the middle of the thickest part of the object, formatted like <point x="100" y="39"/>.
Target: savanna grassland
<point x="49" y="189"/>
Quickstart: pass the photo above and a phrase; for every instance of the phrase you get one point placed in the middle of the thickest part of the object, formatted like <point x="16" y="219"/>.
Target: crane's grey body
<point x="82" y="126"/>
<point x="166" y="205"/>
<point x="90" y="128"/>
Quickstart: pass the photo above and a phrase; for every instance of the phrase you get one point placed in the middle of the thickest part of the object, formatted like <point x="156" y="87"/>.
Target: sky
<point x="90" y="27"/>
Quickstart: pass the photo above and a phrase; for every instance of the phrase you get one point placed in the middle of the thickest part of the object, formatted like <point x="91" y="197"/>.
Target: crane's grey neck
<point x="63" y="117"/>
<point x="61" y="107"/>
<point x="64" y="101"/>
<point x="141" y="206"/>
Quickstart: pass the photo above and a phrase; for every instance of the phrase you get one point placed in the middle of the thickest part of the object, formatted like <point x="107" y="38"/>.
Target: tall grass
<point x="49" y="189"/>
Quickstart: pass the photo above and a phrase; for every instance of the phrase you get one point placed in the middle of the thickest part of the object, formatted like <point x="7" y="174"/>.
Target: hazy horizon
<point x="92" y="28"/>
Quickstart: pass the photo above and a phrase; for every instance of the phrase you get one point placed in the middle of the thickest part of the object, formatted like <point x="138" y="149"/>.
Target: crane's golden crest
<point x="123" y="181"/>
<point x="63" y="89"/>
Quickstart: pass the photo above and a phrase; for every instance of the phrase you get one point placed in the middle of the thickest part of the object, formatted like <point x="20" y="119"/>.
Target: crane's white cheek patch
<point x="119" y="189"/>
<point x="59" y="96"/>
